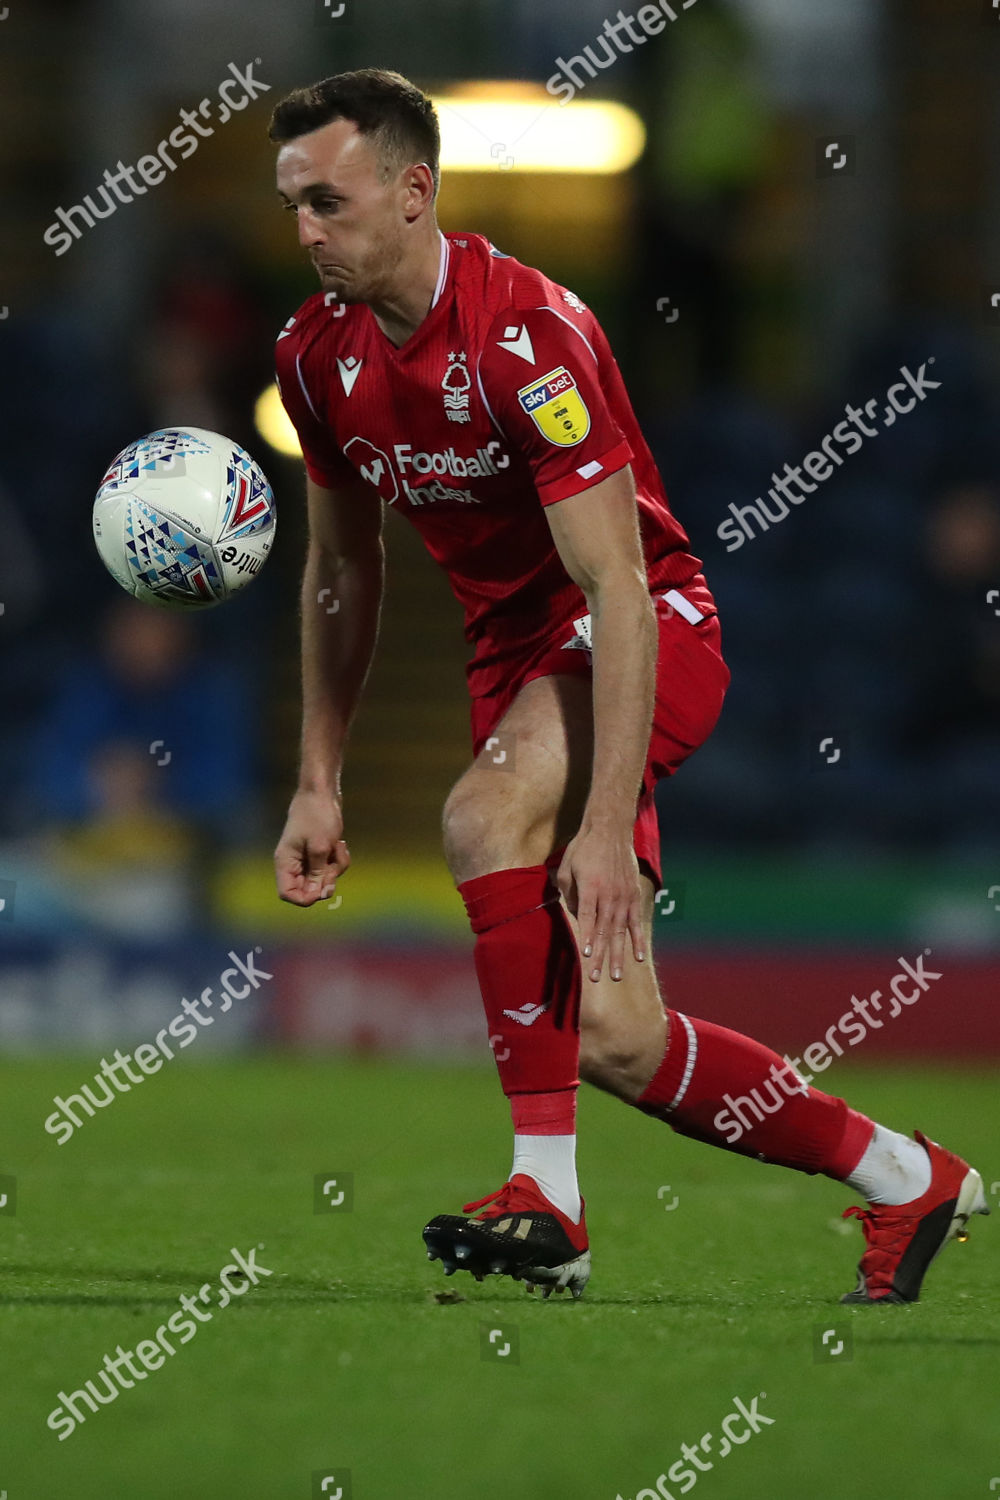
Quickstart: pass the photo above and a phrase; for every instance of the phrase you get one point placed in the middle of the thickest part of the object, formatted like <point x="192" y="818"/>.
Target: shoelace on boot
<point x="511" y="1198"/>
<point x="884" y="1236"/>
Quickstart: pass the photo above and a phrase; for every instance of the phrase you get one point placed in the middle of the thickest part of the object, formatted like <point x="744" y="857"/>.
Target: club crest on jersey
<point x="456" y="385"/>
<point x="557" y="408"/>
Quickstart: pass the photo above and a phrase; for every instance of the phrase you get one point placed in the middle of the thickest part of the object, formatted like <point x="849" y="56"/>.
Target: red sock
<point x="718" y="1086"/>
<point x="529" y="973"/>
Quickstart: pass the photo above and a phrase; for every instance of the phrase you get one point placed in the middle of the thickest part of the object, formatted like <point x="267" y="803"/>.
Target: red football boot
<point x="902" y="1239"/>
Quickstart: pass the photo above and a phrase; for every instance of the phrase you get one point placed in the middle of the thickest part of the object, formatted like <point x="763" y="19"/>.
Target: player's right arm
<point x="342" y="587"/>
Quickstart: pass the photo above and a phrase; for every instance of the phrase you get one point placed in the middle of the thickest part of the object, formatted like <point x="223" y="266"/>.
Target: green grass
<point x="343" y="1357"/>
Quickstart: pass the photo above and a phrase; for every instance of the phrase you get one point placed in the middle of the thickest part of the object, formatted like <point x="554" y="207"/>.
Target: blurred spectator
<point x="208" y="351"/>
<point x="708" y="158"/>
<point x="21" y="597"/>
<point x="20" y="569"/>
<point x="147" y="742"/>
<point x="956" y="640"/>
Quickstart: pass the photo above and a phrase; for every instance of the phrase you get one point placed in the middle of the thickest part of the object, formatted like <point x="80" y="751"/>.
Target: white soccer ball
<point x="184" y="518"/>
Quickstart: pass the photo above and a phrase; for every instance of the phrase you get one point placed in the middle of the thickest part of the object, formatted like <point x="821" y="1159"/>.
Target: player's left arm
<point x="596" y="533"/>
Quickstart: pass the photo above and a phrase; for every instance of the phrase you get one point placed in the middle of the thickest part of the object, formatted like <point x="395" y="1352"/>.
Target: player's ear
<point x="419" y="185"/>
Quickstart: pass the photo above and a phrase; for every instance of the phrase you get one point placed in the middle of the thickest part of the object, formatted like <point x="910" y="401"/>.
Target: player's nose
<point x="309" y="230"/>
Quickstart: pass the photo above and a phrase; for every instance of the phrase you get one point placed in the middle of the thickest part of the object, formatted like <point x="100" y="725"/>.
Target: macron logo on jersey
<point x="518" y="341"/>
<point x="350" y="368"/>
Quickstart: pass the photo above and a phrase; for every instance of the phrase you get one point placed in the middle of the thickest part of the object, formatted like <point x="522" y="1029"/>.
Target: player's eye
<point x="318" y="205"/>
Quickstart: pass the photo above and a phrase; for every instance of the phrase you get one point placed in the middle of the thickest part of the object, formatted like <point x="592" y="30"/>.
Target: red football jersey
<point x="506" y="399"/>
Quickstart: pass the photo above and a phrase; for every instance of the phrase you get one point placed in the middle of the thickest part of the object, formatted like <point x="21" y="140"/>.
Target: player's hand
<point x="311" y="854"/>
<point x="599" y="880"/>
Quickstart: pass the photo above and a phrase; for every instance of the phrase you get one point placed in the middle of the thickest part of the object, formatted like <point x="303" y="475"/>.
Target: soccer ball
<point x="184" y="518"/>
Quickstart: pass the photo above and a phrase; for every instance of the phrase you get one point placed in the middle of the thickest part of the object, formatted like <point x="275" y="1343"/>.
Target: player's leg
<point x="743" y="1097"/>
<point x="523" y="796"/>
<point x="725" y="1089"/>
<point x="521" y="818"/>
<point x="706" y="1081"/>
<point x="515" y="818"/>
<point x="623" y="1023"/>
<point x="748" y="1099"/>
<point x="505" y="824"/>
<point x="515" y="800"/>
<point x="504" y="819"/>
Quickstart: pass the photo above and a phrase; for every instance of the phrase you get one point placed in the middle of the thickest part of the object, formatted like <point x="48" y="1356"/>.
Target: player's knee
<point x="480" y="835"/>
<point x="458" y="829"/>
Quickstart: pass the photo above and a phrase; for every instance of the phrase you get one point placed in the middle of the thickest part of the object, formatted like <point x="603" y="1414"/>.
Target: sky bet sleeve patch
<point x="556" y="407"/>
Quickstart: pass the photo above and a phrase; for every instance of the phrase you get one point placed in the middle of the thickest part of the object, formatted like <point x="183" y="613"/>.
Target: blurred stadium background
<point x="146" y="760"/>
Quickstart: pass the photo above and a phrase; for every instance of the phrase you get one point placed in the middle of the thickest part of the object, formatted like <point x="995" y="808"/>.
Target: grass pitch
<point x="714" y="1278"/>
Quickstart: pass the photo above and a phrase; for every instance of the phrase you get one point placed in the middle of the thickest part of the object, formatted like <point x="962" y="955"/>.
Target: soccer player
<point x="436" y="375"/>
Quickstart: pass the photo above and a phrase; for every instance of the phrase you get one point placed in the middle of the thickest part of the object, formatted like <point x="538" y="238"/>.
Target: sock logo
<point x="527" y="1014"/>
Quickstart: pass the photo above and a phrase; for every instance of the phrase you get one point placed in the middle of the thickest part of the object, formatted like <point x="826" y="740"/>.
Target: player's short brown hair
<point x="382" y="104"/>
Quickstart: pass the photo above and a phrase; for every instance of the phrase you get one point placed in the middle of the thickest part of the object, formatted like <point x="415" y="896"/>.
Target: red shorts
<point x="691" y="683"/>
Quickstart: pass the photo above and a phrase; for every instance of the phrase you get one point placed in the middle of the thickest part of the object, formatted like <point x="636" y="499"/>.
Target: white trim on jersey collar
<point x="442" y="271"/>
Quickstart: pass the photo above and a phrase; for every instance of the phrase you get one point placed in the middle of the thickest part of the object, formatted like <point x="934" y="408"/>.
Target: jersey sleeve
<point x="325" y="463"/>
<point x="541" y="379"/>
